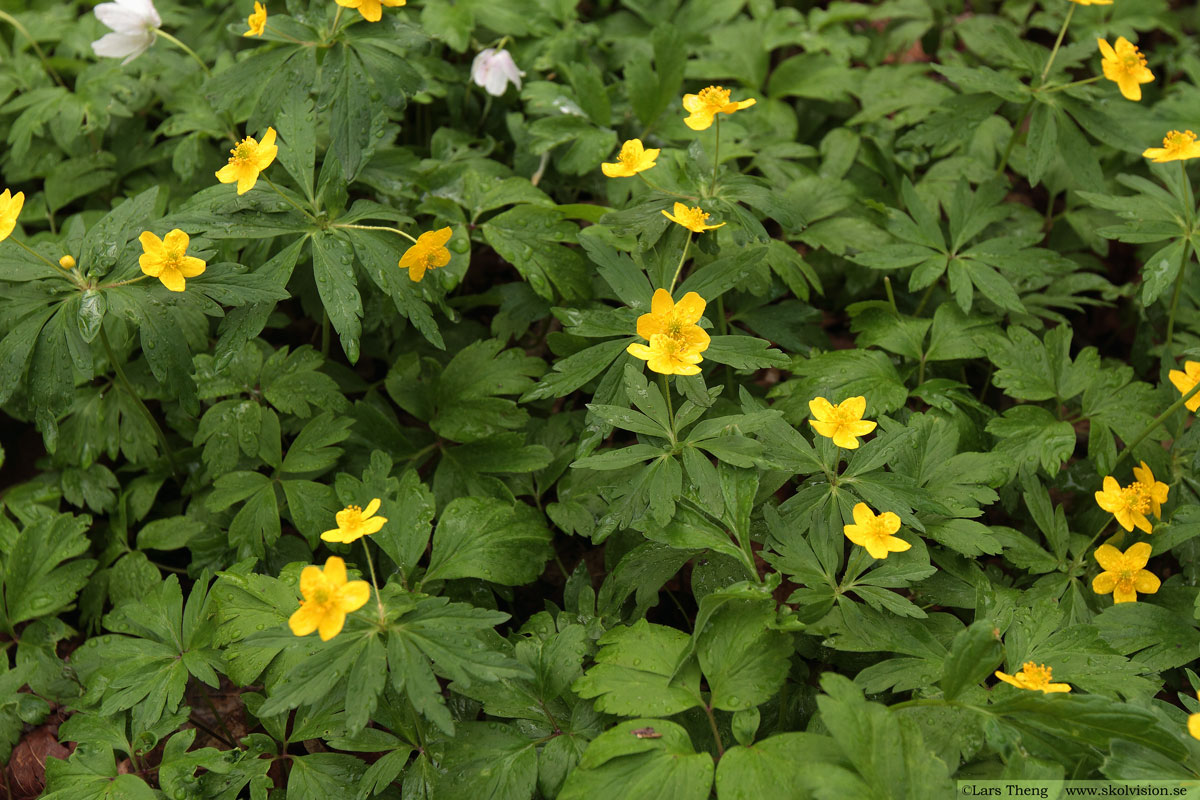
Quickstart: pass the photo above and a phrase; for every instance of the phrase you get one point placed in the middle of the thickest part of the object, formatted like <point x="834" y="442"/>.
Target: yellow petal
<point x="827" y="429"/>
<point x="876" y="548"/>
<point x="863" y="515"/>
<point x="373" y="525"/>
<point x="617" y="170"/>
<point x="1137" y="555"/>
<point x="176" y="240"/>
<point x="228" y="173"/>
<point x="1146" y="582"/>
<point x="843" y="438"/>
<point x="171" y="279"/>
<point x="890" y="522"/>
<point x="1104" y="583"/>
<point x="821" y="409"/>
<point x="1106" y="49"/>
<point x="1109" y="558"/>
<point x="699" y="121"/>
<point x="335" y="571"/>
<point x="331" y="624"/>
<point x="856" y="533"/>
<point x="1124" y="595"/>
<point x="305" y="620"/>
<point x="895" y="544"/>
<point x="1194" y="725"/>
<point x="354" y="595"/>
<point x="1004" y="676"/>
<point x="691" y="308"/>
<point x="191" y="266"/>
<point x="152" y="245"/>
<point x="1053" y="688"/>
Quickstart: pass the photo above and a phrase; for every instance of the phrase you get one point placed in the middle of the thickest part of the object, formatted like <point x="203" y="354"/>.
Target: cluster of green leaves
<point x="595" y="580"/>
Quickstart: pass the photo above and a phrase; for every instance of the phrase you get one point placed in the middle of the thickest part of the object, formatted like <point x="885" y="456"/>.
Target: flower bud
<point x="67" y="262"/>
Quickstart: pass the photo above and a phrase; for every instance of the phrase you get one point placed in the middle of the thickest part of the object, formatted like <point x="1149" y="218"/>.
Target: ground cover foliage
<point x="405" y="326"/>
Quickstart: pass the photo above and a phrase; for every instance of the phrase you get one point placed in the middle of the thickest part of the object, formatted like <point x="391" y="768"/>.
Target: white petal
<point x="144" y="9"/>
<point x="121" y="45"/>
<point x="495" y="82"/>
<point x="118" y="18"/>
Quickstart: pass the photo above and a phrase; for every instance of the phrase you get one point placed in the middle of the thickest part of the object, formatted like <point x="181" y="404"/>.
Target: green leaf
<point x="91" y="774"/>
<point x="526" y="237"/>
<point x="484" y="538"/>
<point x="973" y="655"/>
<point x="313" y="449"/>
<point x="39" y="577"/>
<point x="320" y="776"/>
<point x="489" y="760"/>
<point x="744" y="352"/>
<point x="333" y="260"/>
<point x="1032" y="436"/>
<point x="744" y="661"/>
<point x="633" y="669"/>
<point x="643" y="759"/>
<point x="780" y="765"/>
<point x="348" y="107"/>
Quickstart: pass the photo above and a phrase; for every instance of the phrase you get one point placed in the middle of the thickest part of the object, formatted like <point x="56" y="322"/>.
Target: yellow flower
<point x="1184" y="381"/>
<point x="875" y="532"/>
<point x="632" y="159"/>
<point x="675" y="320"/>
<point x="257" y="21"/>
<point x="370" y="9"/>
<point x="1035" y="677"/>
<point x="667" y="356"/>
<point x="10" y="207"/>
<point x="247" y="160"/>
<point x="1128" y="504"/>
<point x="429" y="252"/>
<point x="1194" y="722"/>
<point x="1153" y="490"/>
<point x="353" y="523"/>
<point x="167" y="259"/>
<point x="841" y="422"/>
<point x="691" y="218"/>
<point x="711" y="101"/>
<point x="67" y="262"/>
<point x="1123" y="574"/>
<point x="1177" y="146"/>
<point x="1125" y="66"/>
<point x="328" y="598"/>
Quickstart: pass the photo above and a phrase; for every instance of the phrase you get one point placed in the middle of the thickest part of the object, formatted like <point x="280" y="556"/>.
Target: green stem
<point x="924" y="299"/>
<point x="666" y="386"/>
<point x="185" y="49"/>
<point x="712" y="723"/>
<point x="122" y="283"/>
<point x="371" y="570"/>
<point x="661" y="190"/>
<point x="1057" y="43"/>
<point x="1175" y="298"/>
<point x="34" y="253"/>
<point x="11" y="20"/>
<point x="891" y="295"/>
<point x="128" y="387"/>
<point x="1159" y="420"/>
<point x="288" y="200"/>
<point x="921" y="371"/>
<point x="289" y="36"/>
<point x="1061" y="87"/>
<point x="712" y="189"/>
<point x="377" y="228"/>
<point x="682" y="258"/>
<point x="1012" y="140"/>
<point x="325" y="334"/>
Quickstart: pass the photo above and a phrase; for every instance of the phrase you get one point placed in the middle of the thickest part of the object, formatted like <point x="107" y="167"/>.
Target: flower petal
<point x="311" y="580"/>
<point x="305" y="619"/>
<point x="1104" y="583"/>
<point x="331" y="624"/>
<point x="353" y="596"/>
<point x="1146" y="582"/>
<point x="821" y="408"/>
<point x="1109" y="558"/>
<point x="1137" y="555"/>
<point x="335" y="571"/>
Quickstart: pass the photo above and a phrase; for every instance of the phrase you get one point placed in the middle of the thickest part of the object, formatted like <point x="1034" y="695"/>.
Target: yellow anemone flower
<point x="1128" y="504"/>
<point x="429" y="252"/>
<point x="10" y="208"/>
<point x="1125" y="66"/>
<point x="328" y="598"/>
<point x="1177" y="146"/>
<point x="667" y="356"/>
<point x="1194" y="722"/>
<point x="632" y="159"/>
<point x="247" y="160"/>
<point x="257" y="21"/>
<point x="1184" y="380"/>
<point x="703" y="107"/>
<point x="1035" y="677"/>
<point x="875" y="532"/>
<point x="371" y="10"/>
<point x="1123" y="574"/>
<point x="67" y="262"/>
<point x="167" y="259"/>
<point x="1155" y="491"/>
<point x="691" y="218"/>
<point x="675" y="320"/>
<point x="841" y="422"/>
<point x="353" y="523"/>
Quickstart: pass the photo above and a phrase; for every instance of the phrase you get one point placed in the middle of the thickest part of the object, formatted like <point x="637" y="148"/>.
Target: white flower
<point x="494" y="70"/>
<point x="133" y="23"/>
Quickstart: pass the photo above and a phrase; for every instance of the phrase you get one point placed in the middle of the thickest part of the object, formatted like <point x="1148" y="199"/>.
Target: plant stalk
<point x="128" y="387"/>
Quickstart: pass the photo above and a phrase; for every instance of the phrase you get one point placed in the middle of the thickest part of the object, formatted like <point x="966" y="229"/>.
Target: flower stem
<point x="122" y="283"/>
<point x="287" y="199"/>
<point x="288" y="36"/>
<point x="682" y="258"/>
<point x="1057" y="43"/>
<point x="35" y="253"/>
<point x="11" y="20"/>
<point x="1083" y="82"/>
<point x="716" y="154"/>
<point x="371" y="570"/>
<point x="1159" y="420"/>
<point x="185" y="49"/>
<point x="666" y="387"/>
<point x="128" y="387"/>
<point x="1012" y="140"/>
<point x="1175" y="296"/>
<point x="377" y="228"/>
<point x="336" y="19"/>
<point x="661" y="190"/>
<point x="712" y="723"/>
